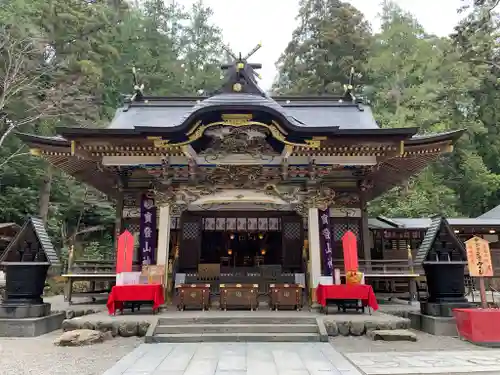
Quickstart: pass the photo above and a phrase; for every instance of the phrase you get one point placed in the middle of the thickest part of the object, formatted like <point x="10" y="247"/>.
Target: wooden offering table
<point x="135" y="293"/>
<point x="239" y="296"/>
<point x="346" y="296"/>
<point x="193" y="296"/>
<point x="285" y="296"/>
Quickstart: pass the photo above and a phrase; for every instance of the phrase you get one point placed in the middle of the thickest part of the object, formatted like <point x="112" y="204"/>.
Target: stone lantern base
<point x="23" y="312"/>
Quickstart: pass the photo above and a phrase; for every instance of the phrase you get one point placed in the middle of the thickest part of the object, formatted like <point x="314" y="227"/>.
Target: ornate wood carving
<point x="242" y="176"/>
<point x="250" y="140"/>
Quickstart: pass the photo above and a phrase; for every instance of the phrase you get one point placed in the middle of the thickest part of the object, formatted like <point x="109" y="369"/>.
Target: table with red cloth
<point x="344" y="292"/>
<point x="130" y="293"/>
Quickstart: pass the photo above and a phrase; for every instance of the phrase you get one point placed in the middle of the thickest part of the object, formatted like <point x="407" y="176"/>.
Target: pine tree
<point x="332" y="37"/>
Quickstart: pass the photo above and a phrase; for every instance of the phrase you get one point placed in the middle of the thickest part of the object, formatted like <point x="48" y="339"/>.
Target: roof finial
<point x="241" y="74"/>
<point x="138" y="88"/>
<point x="348" y="95"/>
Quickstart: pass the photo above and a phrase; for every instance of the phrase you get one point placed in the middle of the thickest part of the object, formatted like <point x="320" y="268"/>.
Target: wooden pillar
<point x="314" y="251"/>
<point x="365" y="234"/>
<point x="164" y="238"/>
<point x="118" y="217"/>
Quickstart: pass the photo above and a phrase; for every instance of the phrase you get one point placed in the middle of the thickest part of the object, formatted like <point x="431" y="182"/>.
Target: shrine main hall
<point x="233" y="186"/>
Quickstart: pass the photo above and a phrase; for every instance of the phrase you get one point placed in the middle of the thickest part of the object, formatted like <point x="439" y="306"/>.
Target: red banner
<point x="125" y="252"/>
<point x="350" y="247"/>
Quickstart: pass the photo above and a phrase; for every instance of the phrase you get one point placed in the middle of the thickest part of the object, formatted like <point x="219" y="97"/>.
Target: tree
<point x="86" y="51"/>
<point x="332" y="37"/>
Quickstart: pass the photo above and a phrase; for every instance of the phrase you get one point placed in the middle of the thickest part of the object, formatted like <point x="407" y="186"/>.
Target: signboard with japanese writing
<point x="147" y="235"/>
<point x="479" y="257"/>
<point x="325" y="236"/>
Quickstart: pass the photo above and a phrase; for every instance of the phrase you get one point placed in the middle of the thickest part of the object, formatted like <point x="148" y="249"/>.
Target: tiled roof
<point x="317" y="112"/>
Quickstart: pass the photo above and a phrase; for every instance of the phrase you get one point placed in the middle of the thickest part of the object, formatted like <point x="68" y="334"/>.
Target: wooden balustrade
<point x="383" y="267"/>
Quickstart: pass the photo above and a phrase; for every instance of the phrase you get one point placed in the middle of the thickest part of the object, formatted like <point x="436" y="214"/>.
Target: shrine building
<point x="240" y="185"/>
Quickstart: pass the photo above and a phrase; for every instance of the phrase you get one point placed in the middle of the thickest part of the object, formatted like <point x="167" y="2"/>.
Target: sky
<point x="245" y="24"/>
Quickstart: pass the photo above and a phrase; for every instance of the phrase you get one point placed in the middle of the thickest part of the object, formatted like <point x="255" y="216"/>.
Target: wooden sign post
<point x="479" y="261"/>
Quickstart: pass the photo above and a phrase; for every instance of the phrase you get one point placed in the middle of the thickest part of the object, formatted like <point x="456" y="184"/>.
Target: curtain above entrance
<point x="242" y="224"/>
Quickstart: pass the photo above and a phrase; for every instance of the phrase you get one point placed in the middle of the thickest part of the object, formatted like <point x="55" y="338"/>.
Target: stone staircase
<point x="240" y="329"/>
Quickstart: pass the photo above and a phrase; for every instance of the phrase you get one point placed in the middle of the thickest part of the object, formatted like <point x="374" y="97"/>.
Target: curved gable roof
<point x="298" y="112"/>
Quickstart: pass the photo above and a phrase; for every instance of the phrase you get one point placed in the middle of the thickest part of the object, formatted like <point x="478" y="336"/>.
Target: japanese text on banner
<point x="147" y="236"/>
<point x="326" y="241"/>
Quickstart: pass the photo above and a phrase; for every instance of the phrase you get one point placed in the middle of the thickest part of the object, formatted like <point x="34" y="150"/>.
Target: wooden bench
<point x="94" y="280"/>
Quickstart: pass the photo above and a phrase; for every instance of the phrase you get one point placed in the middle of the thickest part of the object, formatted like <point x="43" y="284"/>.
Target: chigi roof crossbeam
<point x="241" y="75"/>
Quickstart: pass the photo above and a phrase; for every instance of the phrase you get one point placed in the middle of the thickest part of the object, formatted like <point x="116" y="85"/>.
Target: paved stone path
<point x="234" y="359"/>
<point x="436" y="362"/>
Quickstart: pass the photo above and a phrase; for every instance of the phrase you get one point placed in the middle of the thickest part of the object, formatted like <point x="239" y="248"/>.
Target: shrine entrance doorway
<point x="240" y="249"/>
<point x="252" y="247"/>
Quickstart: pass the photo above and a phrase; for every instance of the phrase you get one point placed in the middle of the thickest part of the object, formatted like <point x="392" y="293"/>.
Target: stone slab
<point x="12" y="311"/>
<point x="426" y="362"/>
<point x="236" y="328"/>
<point x="234" y="337"/>
<point x="30" y="327"/>
<point x="393" y="335"/>
<point x="234" y="359"/>
<point x="434" y="325"/>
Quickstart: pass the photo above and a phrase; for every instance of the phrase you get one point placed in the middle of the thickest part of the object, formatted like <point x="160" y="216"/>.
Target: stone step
<point x="240" y="337"/>
<point x="237" y="320"/>
<point x="393" y="335"/>
<point x="237" y="328"/>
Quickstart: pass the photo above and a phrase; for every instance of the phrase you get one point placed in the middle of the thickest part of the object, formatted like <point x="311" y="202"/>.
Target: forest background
<point x="69" y="63"/>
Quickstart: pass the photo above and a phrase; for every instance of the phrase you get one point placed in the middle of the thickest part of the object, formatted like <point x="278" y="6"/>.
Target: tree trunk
<point x="44" y="200"/>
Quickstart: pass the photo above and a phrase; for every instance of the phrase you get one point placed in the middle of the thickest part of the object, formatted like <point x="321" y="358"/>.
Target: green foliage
<point x="332" y="37"/>
<point x="80" y="54"/>
<point x="413" y="79"/>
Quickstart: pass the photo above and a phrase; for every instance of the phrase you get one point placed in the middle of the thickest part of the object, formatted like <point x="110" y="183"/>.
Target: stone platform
<point x="137" y="323"/>
<point x="31" y="327"/>
<point x="24" y="311"/>
<point x="28" y="320"/>
<point x="434" y="325"/>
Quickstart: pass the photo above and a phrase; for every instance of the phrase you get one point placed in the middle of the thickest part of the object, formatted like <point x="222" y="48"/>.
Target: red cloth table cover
<point x="358" y="292"/>
<point x="131" y="293"/>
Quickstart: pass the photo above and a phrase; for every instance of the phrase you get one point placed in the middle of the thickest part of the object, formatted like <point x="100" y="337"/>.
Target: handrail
<point x="376" y="261"/>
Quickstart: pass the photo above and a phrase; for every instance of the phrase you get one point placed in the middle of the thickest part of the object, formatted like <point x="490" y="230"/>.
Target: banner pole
<point x="482" y="293"/>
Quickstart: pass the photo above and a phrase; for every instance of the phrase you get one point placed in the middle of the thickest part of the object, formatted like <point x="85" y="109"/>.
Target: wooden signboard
<point x="479" y="257"/>
<point x="155" y="274"/>
<point x="479" y="261"/>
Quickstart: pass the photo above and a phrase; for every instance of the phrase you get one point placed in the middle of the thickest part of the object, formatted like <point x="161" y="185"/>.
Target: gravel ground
<point x="39" y="356"/>
<point x="425" y="342"/>
<point x="57" y="303"/>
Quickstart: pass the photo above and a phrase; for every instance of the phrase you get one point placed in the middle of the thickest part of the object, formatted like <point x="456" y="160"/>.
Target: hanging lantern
<point x="229" y="252"/>
<point x="261" y="236"/>
<point x="263" y="252"/>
